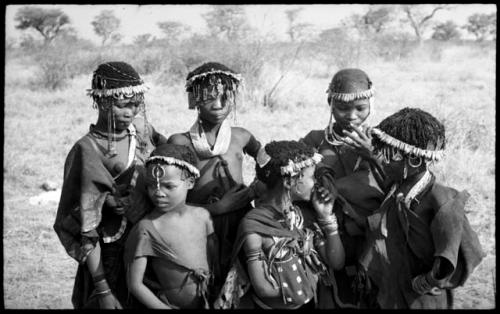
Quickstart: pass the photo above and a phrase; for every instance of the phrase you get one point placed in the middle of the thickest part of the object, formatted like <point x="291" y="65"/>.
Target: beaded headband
<point x="293" y="168"/>
<point x="347" y="97"/>
<point x="197" y="93"/>
<point x="408" y="149"/>
<point x="118" y="93"/>
<point x="158" y="172"/>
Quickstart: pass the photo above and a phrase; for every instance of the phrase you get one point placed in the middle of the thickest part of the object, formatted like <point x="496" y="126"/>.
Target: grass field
<point x="455" y="83"/>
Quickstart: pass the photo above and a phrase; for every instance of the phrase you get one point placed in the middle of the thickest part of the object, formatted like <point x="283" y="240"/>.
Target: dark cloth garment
<point x="145" y="241"/>
<point x="267" y="222"/>
<point x="225" y="225"/>
<point x="406" y="242"/>
<point x="356" y="186"/>
<point x="83" y="218"/>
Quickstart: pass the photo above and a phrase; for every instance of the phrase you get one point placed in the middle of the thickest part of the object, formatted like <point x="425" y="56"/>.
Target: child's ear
<point x="287" y="183"/>
<point x="190" y="183"/>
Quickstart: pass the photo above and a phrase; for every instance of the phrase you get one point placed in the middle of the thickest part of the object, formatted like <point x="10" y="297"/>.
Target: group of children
<point x="346" y="217"/>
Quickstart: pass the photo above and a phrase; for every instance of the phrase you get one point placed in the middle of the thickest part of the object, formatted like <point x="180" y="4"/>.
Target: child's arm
<point x="334" y="250"/>
<point x="135" y="276"/>
<point x="257" y="267"/>
<point x="252" y="145"/>
<point x="106" y="298"/>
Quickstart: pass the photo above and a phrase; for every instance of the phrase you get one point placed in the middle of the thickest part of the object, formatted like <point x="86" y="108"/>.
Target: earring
<point x="405" y="171"/>
<point x="411" y="161"/>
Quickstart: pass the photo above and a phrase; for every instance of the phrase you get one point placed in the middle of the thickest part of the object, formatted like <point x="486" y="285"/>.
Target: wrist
<point x="328" y="223"/>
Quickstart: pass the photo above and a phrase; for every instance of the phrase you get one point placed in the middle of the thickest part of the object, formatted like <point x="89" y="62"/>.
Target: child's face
<point x="303" y="185"/>
<point x="395" y="170"/>
<point x="170" y="190"/>
<point x="124" y="111"/>
<point x="354" y="112"/>
<point x="215" y="110"/>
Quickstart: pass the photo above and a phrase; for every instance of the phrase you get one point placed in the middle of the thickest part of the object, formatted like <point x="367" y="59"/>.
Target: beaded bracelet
<point x="254" y="256"/>
<point x="108" y="291"/>
<point x="99" y="278"/>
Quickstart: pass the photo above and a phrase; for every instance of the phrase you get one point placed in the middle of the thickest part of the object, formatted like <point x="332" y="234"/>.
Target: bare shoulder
<point x="200" y="212"/>
<point x="241" y="134"/>
<point x="253" y="242"/>
<point x="180" y="139"/>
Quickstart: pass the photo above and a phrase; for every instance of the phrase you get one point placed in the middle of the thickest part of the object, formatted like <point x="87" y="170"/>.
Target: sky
<point x="268" y="19"/>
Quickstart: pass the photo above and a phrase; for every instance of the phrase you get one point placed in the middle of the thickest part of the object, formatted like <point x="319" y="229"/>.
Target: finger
<point x="356" y="139"/>
<point x="435" y="291"/>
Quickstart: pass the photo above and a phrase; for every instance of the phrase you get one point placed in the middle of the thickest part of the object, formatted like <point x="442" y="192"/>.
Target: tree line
<point x="229" y="22"/>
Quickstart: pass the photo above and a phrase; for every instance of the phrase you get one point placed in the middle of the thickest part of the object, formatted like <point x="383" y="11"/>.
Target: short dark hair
<point x="281" y="152"/>
<point x="415" y="127"/>
<point x="180" y="152"/>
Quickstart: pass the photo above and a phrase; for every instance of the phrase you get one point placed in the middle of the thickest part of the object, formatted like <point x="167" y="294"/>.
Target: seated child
<point x="284" y="259"/>
<point x="173" y="240"/>
<point x="420" y="244"/>
<point x="213" y="89"/>
<point x="100" y="171"/>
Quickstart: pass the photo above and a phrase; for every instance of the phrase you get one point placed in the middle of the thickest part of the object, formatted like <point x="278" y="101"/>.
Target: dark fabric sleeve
<point x="252" y="147"/>
<point x="311" y="139"/>
<point x="85" y="187"/>
<point x="455" y="241"/>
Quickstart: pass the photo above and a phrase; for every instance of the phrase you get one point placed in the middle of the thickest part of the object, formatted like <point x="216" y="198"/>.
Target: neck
<point x="277" y="199"/>
<point x="410" y="181"/>
<point x="102" y="124"/>
<point x="209" y="127"/>
<point x="179" y="209"/>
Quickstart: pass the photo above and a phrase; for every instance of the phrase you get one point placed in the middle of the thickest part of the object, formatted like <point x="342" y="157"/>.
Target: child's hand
<point x="420" y="284"/>
<point x="361" y="140"/>
<point x="322" y="201"/>
<point x="109" y="301"/>
<point x="236" y="198"/>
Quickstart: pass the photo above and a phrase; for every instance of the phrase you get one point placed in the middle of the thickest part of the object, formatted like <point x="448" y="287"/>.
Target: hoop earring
<point x="411" y="161"/>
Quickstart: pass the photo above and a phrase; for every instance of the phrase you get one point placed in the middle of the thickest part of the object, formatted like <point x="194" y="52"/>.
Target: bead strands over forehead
<point x="431" y="155"/>
<point x="294" y="168"/>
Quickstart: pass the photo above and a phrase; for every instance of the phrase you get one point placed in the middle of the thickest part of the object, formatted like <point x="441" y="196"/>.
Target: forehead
<point x="308" y="171"/>
<point x="164" y="172"/>
<point x="354" y="103"/>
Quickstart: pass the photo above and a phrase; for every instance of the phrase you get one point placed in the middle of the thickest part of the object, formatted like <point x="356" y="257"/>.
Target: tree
<point x="419" y="17"/>
<point x="143" y="40"/>
<point x="482" y="25"/>
<point x="173" y="30"/>
<point x="48" y="22"/>
<point x="446" y="31"/>
<point x="376" y="19"/>
<point x="227" y="22"/>
<point x="297" y="31"/>
<point x="106" y="25"/>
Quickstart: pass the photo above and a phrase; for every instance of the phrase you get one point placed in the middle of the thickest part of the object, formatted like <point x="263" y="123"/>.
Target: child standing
<point x="93" y="216"/>
<point x="213" y="89"/>
<point x="174" y="239"/>
<point x="348" y="170"/>
<point x="420" y="245"/>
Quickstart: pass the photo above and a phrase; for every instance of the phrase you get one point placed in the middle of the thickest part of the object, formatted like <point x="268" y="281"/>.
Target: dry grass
<point x="457" y="84"/>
